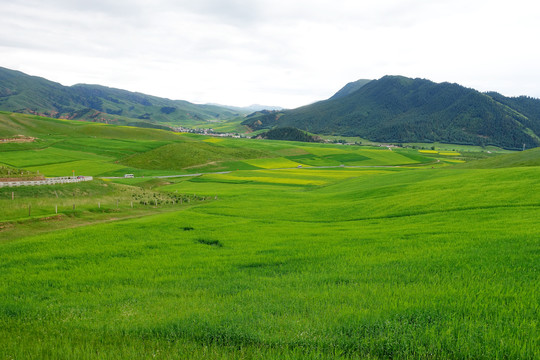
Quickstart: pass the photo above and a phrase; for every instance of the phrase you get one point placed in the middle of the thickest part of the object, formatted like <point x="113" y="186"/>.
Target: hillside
<point x="265" y="119"/>
<point x="335" y="263"/>
<point x="273" y="250"/>
<point x="60" y="146"/>
<point x="57" y="147"/>
<point x="350" y="88"/>
<point x="289" y="134"/>
<point x="518" y="159"/>
<point x="528" y="106"/>
<point x="400" y="109"/>
<point x="34" y="95"/>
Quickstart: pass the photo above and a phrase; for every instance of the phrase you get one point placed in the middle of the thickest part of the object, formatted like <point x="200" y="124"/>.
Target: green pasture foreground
<point x="381" y="263"/>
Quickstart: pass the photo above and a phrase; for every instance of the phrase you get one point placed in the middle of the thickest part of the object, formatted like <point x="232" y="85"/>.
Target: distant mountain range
<point x="249" y="109"/>
<point x="34" y="95"/>
<point x="399" y="109"/>
<point x="391" y="109"/>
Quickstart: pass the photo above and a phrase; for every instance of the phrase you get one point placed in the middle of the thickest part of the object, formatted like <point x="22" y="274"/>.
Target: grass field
<point x="521" y="159"/>
<point x="422" y="261"/>
<point x="9" y="172"/>
<point x="64" y="146"/>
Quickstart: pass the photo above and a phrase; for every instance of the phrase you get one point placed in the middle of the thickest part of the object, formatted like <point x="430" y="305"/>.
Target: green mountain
<point x="265" y="119"/>
<point x="400" y="109"/>
<point x="350" y="88"/>
<point x="528" y="106"/>
<point x="34" y="95"/>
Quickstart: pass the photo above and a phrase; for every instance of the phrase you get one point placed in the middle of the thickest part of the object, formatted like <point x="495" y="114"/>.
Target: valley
<point x="278" y="249"/>
<point x="390" y="110"/>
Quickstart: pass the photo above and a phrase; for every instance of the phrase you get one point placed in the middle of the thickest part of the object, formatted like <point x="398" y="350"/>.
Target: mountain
<point x="264" y="119"/>
<point x="251" y="108"/>
<point x="22" y="93"/>
<point x="528" y="106"/>
<point x="390" y="109"/>
<point x="350" y="88"/>
<point x="400" y="109"/>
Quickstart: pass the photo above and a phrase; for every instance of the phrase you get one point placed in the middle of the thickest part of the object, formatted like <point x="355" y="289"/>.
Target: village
<point x="209" y="132"/>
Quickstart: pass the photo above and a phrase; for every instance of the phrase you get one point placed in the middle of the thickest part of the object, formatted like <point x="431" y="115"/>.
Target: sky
<point x="285" y="53"/>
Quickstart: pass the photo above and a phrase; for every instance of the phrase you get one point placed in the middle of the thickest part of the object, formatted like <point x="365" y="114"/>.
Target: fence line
<point x="48" y="181"/>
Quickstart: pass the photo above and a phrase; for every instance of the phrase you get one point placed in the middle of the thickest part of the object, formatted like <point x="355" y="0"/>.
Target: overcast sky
<point x="273" y="52"/>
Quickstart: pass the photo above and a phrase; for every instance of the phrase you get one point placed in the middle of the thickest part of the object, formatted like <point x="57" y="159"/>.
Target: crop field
<point x="79" y="167"/>
<point x="111" y="148"/>
<point x="274" y="163"/>
<point x="405" y="258"/>
<point x="260" y="179"/>
<point x="46" y="156"/>
<point x="64" y="146"/>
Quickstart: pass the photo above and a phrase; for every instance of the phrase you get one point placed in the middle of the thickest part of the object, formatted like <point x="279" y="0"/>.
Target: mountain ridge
<point x="20" y="92"/>
<point x="249" y="109"/>
<point x="351" y="87"/>
<point x="399" y="109"/>
<point x="393" y="109"/>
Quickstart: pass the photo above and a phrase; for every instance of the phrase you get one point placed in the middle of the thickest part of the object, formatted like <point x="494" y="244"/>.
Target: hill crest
<point x="350" y="88"/>
<point x="401" y="109"/>
<point x="24" y="93"/>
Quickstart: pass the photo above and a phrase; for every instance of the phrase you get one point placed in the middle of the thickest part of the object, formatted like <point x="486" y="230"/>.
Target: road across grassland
<point x="48" y="181"/>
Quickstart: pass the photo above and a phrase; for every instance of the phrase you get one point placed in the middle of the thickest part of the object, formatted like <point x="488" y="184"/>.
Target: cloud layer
<point x="286" y="53"/>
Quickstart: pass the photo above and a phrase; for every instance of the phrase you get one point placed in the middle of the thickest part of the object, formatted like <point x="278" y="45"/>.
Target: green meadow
<point x="64" y="147"/>
<point x="394" y="255"/>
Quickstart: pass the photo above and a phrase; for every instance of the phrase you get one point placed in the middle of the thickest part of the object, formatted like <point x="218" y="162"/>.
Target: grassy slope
<point x="53" y="129"/>
<point x="179" y="156"/>
<point x="520" y="159"/>
<point x="104" y="150"/>
<point x="300" y="263"/>
<point x="387" y="263"/>
<point x="20" y="92"/>
<point x="63" y="145"/>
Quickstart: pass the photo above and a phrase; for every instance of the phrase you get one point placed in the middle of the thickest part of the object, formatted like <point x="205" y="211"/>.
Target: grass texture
<point x="404" y="258"/>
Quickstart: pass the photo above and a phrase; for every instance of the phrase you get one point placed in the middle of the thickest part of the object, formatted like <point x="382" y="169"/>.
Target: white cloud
<point x="278" y="52"/>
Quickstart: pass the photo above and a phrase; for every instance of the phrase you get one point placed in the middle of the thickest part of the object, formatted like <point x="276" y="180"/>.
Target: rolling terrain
<point x="399" y="253"/>
<point x="33" y="95"/>
<point x="62" y="146"/>
<point x="393" y="109"/>
<point x="520" y="159"/>
<point x="399" y="109"/>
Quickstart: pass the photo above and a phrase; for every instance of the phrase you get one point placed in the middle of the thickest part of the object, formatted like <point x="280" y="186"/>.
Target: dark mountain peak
<point x="8" y="73"/>
<point x="399" y="109"/>
<point x="18" y="79"/>
<point x="400" y="79"/>
<point x="403" y="82"/>
<point x="350" y="88"/>
<point x="406" y="82"/>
